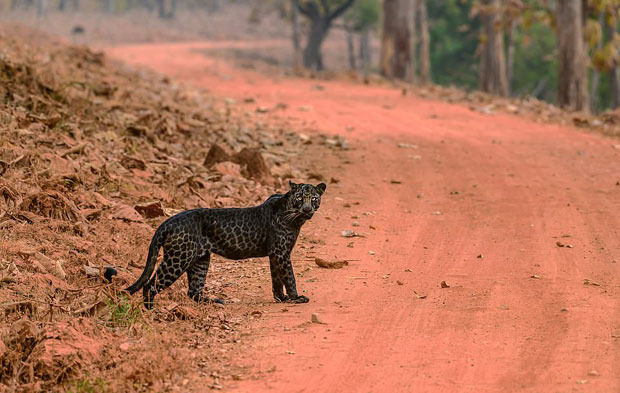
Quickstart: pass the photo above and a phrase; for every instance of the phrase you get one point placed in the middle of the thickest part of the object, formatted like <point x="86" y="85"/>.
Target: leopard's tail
<point x="156" y="243"/>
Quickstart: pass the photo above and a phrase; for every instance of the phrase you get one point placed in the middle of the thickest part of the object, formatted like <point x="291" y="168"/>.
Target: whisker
<point x="291" y="217"/>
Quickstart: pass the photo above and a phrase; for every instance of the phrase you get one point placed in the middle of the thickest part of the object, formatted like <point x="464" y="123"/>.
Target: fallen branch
<point x="75" y="149"/>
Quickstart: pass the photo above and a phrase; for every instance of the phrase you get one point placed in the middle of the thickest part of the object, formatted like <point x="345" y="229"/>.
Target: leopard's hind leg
<point x="177" y="259"/>
<point x="196" y="276"/>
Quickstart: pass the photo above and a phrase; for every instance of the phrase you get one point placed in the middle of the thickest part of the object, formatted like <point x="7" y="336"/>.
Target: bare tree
<point x="396" y="39"/>
<point x="321" y="18"/>
<point x="425" y="44"/>
<point x="572" y="73"/>
<point x="492" y="64"/>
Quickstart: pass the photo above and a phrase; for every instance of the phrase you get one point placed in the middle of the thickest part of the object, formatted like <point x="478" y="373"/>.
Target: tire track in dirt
<point x="518" y="319"/>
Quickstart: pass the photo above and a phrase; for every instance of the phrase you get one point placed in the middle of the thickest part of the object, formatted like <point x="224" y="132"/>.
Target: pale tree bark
<point x="425" y="44"/>
<point x="493" y="65"/>
<point x="572" y="73"/>
<point x="614" y="75"/>
<point x="297" y="55"/>
<point x="396" y="40"/>
<point x="109" y="6"/>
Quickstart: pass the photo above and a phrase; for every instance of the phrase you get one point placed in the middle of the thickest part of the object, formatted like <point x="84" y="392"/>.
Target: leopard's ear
<point x="321" y="188"/>
<point x="293" y="185"/>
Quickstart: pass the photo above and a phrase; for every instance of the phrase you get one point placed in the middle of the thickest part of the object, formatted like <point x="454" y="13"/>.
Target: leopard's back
<point x="237" y="233"/>
<point x="234" y="233"/>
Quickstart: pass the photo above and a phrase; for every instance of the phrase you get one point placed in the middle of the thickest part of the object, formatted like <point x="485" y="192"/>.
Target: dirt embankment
<point x="93" y="157"/>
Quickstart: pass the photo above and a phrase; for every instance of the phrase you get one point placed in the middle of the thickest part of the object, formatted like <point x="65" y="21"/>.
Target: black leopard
<point x="190" y="237"/>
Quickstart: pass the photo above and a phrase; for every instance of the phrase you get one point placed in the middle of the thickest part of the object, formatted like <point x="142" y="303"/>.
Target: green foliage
<point x="364" y="14"/>
<point x="535" y="62"/>
<point x="455" y="36"/>
<point x="86" y="386"/>
<point x="454" y="39"/>
<point x="122" y="312"/>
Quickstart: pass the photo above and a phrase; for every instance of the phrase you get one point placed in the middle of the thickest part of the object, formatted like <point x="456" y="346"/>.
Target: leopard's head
<point x="305" y="199"/>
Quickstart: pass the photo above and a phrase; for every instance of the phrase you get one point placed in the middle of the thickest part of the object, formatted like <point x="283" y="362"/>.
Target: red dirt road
<point x="482" y="203"/>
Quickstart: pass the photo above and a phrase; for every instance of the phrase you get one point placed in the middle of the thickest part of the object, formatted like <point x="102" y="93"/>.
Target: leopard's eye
<point x="299" y="198"/>
<point x="314" y="199"/>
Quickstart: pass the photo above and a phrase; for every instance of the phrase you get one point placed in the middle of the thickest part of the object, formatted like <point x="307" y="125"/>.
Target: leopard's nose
<point x="306" y="209"/>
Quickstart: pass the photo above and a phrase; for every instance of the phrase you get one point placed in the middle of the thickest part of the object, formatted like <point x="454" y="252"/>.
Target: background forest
<point x="514" y="48"/>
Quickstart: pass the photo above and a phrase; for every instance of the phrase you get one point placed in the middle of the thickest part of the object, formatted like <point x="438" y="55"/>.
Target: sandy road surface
<point x="481" y="203"/>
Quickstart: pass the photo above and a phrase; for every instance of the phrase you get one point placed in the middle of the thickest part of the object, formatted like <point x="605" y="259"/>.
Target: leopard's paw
<point x="299" y="299"/>
<point x="281" y="298"/>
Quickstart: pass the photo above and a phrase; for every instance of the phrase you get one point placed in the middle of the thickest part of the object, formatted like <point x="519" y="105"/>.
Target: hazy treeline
<point x="563" y="51"/>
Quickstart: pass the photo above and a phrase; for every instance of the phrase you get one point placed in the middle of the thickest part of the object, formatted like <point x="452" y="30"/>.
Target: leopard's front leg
<point x="276" y="284"/>
<point x="284" y="269"/>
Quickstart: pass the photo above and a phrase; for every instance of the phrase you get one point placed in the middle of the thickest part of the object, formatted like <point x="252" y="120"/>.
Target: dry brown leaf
<point x="120" y="211"/>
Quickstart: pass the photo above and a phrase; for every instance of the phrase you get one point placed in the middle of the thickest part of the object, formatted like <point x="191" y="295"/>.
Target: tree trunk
<point x="351" y="49"/>
<point x="493" y="65"/>
<point x="396" y="40"/>
<point x="572" y="73"/>
<point x="365" y="54"/>
<point x="425" y="44"/>
<point x="312" y="54"/>
<point x="510" y="56"/>
<point x="387" y="38"/>
<point x="321" y="18"/>
<point x="297" y="59"/>
<point x="109" y="6"/>
<point x="62" y="5"/>
<point x="614" y="75"/>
